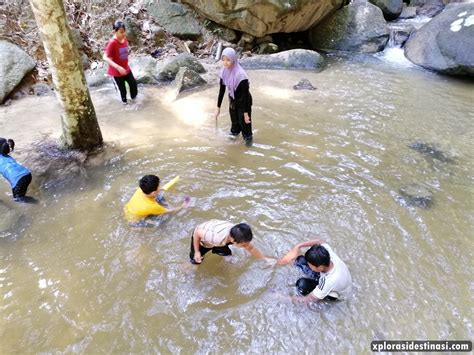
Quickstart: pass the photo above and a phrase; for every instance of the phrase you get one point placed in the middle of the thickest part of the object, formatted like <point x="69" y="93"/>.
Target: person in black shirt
<point x="234" y="77"/>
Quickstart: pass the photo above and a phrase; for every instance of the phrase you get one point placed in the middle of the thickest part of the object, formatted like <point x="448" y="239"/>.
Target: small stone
<point x="417" y="195"/>
<point x="304" y="84"/>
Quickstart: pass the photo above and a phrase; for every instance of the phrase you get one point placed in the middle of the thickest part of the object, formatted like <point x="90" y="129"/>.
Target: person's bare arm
<point x="295" y="251"/>
<point x="254" y="251"/>
<point x="197" y="236"/>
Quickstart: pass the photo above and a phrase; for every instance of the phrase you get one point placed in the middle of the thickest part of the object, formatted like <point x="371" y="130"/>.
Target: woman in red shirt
<point x="116" y="55"/>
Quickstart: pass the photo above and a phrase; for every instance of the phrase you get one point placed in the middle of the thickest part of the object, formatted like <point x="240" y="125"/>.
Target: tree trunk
<point x="80" y="129"/>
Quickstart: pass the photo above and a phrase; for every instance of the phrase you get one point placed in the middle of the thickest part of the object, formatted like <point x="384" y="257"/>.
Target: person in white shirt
<point x="328" y="276"/>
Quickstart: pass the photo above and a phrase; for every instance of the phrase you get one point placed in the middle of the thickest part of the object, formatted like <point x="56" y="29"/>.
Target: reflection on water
<point x="326" y="163"/>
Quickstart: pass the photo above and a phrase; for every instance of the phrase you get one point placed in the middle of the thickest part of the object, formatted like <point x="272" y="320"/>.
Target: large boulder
<point x="391" y="8"/>
<point x="259" y="18"/>
<point x="446" y="43"/>
<point x="14" y="65"/>
<point x="144" y="69"/>
<point x="168" y="68"/>
<point x="292" y="59"/>
<point x="358" y="27"/>
<point x="187" y="79"/>
<point x="175" y="18"/>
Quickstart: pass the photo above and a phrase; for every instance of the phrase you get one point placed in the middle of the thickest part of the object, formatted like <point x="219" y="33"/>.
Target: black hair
<point x="317" y="255"/>
<point x="118" y="25"/>
<point x="149" y="183"/>
<point x="241" y="233"/>
<point x="6" y="146"/>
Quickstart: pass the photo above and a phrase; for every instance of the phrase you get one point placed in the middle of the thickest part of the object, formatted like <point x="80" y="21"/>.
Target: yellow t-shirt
<point x="141" y="206"/>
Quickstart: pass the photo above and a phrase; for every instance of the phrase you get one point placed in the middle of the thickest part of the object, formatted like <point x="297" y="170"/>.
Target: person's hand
<point x="217" y="113"/>
<point x="121" y="70"/>
<point x="290" y="256"/>
<point x="247" y="118"/>
<point x="186" y="202"/>
<point x="197" y="257"/>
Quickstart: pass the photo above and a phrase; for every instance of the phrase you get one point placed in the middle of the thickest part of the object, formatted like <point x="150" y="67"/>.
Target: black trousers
<point x="132" y="84"/>
<point x="306" y="285"/>
<point x="222" y="251"/>
<point x="22" y="185"/>
<point x="238" y="121"/>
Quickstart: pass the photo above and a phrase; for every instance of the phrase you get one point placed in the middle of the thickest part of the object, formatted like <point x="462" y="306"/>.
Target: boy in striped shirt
<point x="217" y="235"/>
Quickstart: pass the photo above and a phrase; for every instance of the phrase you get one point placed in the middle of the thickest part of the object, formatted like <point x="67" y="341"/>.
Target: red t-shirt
<point x="118" y="52"/>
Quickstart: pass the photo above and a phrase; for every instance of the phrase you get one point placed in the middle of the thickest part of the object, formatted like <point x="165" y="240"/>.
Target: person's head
<point x="149" y="184"/>
<point x="119" y="29"/>
<point x="229" y="57"/>
<point x="241" y="234"/>
<point x="6" y="146"/>
<point x="318" y="258"/>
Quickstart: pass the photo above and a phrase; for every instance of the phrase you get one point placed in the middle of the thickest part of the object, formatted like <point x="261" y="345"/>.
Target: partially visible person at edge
<point x="327" y="275"/>
<point x="116" y="55"/>
<point x="235" y="79"/>
<point x="16" y="174"/>
<point x="143" y="202"/>
<point x="216" y="236"/>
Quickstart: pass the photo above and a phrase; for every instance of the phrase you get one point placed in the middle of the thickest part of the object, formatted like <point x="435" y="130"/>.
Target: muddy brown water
<point x="326" y="163"/>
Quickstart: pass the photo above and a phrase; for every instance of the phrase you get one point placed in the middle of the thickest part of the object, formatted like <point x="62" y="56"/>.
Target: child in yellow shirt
<point x="143" y="202"/>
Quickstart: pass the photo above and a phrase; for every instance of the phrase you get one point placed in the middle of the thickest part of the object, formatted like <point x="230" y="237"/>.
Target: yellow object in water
<point x="171" y="183"/>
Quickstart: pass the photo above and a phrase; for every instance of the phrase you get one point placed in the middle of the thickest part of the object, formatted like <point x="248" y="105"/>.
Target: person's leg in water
<point x="132" y="84"/>
<point x="224" y="252"/>
<point x="19" y="191"/>
<point x="120" y="80"/>
<point x="246" y="127"/>
<point x="306" y="285"/>
<point x="234" y="119"/>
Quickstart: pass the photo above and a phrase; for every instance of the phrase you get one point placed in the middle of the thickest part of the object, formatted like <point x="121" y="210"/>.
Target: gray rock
<point x="175" y="18"/>
<point x="292" y="59"/>
<point x="267" y="48"/>
<point x="446" y="43"/>
<point x="399" y="33"/>
<point x="14" y="65"/>
<point x="391" y="8"/>
<point x="77" y="38"/>
<point x="158" y="35"/>
<point x="431" y="151"/>
<point x="416" y="195"/>
<point x="429" y="10"/>
<point x="86" y="63"/>
<point x="187" y="79"/>
<point x="144" y="69"/>
<point x="224" y="33"/>
<point x="41" y="89"/>
<point x="262" y="17"/>
<point x="97" y="76"/>
<point x="408" y="12"/>
<point x="304" y="84"/>
<point x="358" y="27"/>
<point x="168" y="68"/>
<point x="133" y="31"/>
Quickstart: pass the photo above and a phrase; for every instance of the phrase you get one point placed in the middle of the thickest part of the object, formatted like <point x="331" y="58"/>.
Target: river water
<point x="327" y="163"/>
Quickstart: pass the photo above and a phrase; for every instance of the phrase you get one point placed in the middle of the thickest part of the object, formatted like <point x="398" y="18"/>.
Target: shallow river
<point x="327" y="163"/>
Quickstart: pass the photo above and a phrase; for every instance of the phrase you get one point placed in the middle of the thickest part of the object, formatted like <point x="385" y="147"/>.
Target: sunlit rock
<point x="292" y="59"/>
<point x="259" y="18"/>
<point x="446" y="43"/>
<point x="14" y="65"/>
